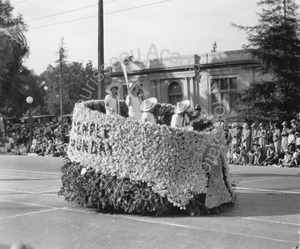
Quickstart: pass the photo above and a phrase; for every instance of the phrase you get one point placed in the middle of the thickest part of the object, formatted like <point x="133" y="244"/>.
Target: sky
<point x="131" y="26"/>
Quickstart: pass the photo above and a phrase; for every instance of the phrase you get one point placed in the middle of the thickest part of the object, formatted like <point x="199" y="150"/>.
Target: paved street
<point x="266" y="215"/>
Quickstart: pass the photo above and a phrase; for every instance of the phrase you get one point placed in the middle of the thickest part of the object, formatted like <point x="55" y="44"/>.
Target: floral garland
<point x="169" y="160"/>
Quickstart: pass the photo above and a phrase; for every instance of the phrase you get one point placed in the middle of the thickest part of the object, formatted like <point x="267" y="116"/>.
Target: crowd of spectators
<point x="264" y="145"/>
<point x="256" y="144"/>
<point x="44" y="140"/>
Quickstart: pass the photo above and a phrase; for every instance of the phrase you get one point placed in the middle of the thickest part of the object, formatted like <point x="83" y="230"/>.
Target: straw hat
<point x="148" y="104"/>
<point x="245" y="125"/>
<point x="182" y="106"/>
<point x="296" y="155"/>
<point x="132" y="85"/>
<point x="112" y="85"/>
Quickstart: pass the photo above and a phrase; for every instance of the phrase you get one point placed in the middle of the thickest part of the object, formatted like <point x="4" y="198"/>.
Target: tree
<point x="62" y="56"/>
<point x="274" y="42"/>
<point x="13" y="49"/>
<point x="22" y="85"/>
<point x="77" y="79"/>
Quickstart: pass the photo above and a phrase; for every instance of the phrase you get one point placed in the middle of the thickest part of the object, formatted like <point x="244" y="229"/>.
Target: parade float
<point x="118" y="165"/>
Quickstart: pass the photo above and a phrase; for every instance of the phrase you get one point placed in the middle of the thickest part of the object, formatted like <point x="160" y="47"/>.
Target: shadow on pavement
<point x="264" y="204"/>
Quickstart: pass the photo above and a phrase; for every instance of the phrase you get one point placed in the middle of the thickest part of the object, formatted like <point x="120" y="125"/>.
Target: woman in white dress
<point x="246" y="137"/>
<point x="180" y="119"/>
<point x="133" y="101"/>
<point x="284" y="136"/>
<point x="112" y="100"/>
<point x="262" y="137"/>
<point x="146" y="107"/>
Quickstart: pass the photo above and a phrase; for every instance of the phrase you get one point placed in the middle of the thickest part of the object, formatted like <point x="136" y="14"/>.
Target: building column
<point x="154" y="86"/>
<point x="160" y="90"/>
<point x="164" y="91"/>
<point x="191" y="90"/>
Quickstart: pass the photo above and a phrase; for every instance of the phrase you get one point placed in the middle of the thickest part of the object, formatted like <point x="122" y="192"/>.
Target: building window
<point x="222" y="95"/>
<point x="175" y="93"/>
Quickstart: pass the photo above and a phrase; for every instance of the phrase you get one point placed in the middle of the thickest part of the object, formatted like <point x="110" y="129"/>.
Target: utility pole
<point x="61" y="51"/>
<point x="101" y="87"/>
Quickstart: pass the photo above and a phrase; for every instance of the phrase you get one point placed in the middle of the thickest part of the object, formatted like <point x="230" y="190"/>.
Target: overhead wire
<point x="68" y="11"/>
<point x="107" y="13"/>
<point x="18" y="2"/>
<point x="73" y="20"/>
<point x="57" y="14"/>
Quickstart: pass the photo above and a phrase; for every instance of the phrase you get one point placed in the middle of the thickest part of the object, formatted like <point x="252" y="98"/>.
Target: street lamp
<point x="43" y="84"/>
<point x="29" y="101"/>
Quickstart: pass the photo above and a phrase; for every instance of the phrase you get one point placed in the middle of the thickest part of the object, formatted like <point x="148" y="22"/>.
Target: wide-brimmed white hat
<point x="148" y="104"/>
<point x="112" y="85"/>
<point x="182" y="106"/>
<point x="296" y="155"/>
<point x="132" y="85"/>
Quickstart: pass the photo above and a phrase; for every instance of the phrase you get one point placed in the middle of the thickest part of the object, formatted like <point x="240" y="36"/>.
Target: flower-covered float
<point x="119" y="165"/>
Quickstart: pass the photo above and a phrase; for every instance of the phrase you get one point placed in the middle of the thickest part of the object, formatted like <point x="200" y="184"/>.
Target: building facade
<point x="206" y="79"/>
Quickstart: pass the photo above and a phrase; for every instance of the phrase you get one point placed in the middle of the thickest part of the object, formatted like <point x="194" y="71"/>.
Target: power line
<point x="107" y="13"/>
<point x="60" y="13"/>
<point x="137" y="7"/>
<point x="68" y="11"/>
<point x="43" y="17"/>
<point x="19" y="2"/>
<point x="52" y="24"/>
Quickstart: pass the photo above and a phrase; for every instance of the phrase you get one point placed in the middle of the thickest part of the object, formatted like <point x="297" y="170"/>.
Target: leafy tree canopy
<point x="275" y="43"/>
<point x="13" y="49"/>
<point x="79" y="83"/>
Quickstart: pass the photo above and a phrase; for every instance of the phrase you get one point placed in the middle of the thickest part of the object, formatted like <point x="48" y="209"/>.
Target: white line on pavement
<point x="29" y="177"/>
<point x="30" y="213"/>
<point x="25" y="177"/>
<point x="28" y="204"/>
<point x="204" y="229"/>
<point x="272" y="221"/>
<point x="27" y="192"/>
<point x="86" y="210"/>
<point x="269" y="190"/>
<point x="144" y="220"/>
<point x="33" y="172"/>
<point x="49" y="191"/>
<point x="265" y="179"/>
